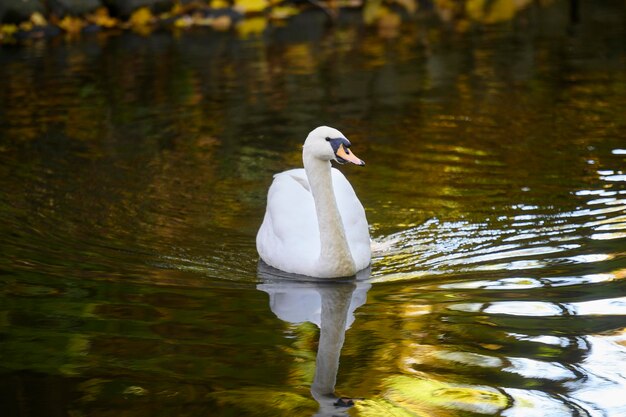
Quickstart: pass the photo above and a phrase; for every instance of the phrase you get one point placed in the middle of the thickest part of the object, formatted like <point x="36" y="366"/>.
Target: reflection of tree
<point x="444" y="351"/>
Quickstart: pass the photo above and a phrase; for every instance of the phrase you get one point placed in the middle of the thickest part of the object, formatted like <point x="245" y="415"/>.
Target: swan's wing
<point x="353" y="218"/>
<point x="289" y="232"/>
<point x="289" y="236"/>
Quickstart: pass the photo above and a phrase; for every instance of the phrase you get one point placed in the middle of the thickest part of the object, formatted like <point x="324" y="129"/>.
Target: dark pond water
<point x="133" y="173"/>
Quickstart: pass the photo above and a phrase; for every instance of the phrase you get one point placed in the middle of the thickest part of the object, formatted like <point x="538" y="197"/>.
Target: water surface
<point x="133" y="173"/>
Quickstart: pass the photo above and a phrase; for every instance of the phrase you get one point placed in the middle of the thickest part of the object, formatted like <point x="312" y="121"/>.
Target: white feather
<point x="289" y="237"/>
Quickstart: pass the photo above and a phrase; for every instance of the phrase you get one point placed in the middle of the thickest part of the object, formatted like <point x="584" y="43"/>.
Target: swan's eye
<point x="327" y="139"/>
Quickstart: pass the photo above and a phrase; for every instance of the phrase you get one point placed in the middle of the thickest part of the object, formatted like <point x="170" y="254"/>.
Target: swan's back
<point x="289" y="238"/>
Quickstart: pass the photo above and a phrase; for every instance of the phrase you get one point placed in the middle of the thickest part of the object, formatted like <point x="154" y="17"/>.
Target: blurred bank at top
<point x="24" y="21"/>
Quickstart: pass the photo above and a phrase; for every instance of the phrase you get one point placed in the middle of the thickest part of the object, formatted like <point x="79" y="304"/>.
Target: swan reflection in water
<point x="330" y="305"/>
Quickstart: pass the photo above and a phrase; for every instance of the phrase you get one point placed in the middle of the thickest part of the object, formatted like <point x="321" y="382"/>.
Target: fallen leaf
<point x="141" y="17"/>
<point x="101" y="18"/>
<point x="251" y="6"/>
<point x="222" y="23"/>
<point x="37" y="19"/>
<point x="72" y="25"/>
<point x="251" y="26"/>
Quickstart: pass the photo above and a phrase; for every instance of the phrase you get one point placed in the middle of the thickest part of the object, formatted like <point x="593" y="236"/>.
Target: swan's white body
<point x="314" y="223"/>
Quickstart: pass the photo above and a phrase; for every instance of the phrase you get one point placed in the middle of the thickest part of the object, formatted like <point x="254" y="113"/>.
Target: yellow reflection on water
<point x="415" y="396"/>
<point x="608" y="236"/>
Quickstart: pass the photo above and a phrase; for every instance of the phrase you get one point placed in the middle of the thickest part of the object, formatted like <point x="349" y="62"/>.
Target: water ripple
<point x="515" y="242"/>
<point x="532" y="300"/>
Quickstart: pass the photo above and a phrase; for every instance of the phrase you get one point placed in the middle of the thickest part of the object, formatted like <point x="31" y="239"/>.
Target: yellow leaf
<point x="372" y="11"/>
<point x="37" y="19"/>
<point x="8" y="29"/>
<point x="251" y="6"/>
<point x="475" y="9"/>
<point x="222" y="23"/>
<point x="251" y="26"/>
<point x="26" y="26"/>
<point x="141" y="17"/>
<point x="72" y="24"/>
<point x="493" y="11"/>
<point x="220" y="4"/>
<point x="501" y="11"/>
<point x="183" y="22"/>
<point x="283" y="12"/>
<point x="101" y="18"/>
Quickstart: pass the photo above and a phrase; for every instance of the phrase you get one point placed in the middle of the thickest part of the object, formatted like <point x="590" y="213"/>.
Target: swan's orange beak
<point x="345" y="154"/>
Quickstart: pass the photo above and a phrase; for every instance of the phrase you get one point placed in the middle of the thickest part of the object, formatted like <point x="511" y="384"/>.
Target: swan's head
<point x="329" y="144"/>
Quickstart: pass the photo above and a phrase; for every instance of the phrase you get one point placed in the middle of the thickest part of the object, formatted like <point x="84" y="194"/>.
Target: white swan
<point x="314" y="223"/>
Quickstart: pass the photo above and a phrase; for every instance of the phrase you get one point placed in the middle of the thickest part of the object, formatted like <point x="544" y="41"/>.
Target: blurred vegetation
<point x="246" y="17"/>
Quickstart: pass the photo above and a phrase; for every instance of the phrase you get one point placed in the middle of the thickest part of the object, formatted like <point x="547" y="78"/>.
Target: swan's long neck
<point x="335" y="256"/>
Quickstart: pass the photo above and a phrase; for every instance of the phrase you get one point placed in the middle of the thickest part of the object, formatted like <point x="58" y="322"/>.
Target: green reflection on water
<point x="133" y="175"/>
